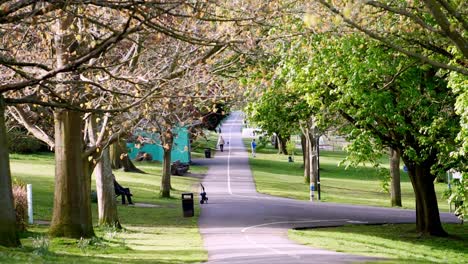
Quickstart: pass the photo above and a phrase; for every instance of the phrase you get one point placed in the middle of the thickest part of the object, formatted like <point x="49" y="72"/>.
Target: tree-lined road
<point x="240" y="225"/>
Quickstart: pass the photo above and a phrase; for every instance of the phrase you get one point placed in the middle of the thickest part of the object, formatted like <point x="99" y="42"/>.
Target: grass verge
<point x="150" y="235"/>
<point x="398" y="243"/>
<point x="210" y="141"/>
<point x="274" y="175"/>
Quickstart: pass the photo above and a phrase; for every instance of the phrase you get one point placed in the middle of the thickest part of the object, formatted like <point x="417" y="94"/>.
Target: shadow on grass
<point x="27" y="255"/>
<point x="118" y="248"/>
<point x="400" y="242"/>
<point x="328" y="167"/>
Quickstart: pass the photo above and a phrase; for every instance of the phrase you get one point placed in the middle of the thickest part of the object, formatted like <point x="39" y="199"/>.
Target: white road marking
<point x="293" y="222"/>
<point x="276" y="251"/>
<point x="357" y="222"/>
<point x="247" y="237"/>
<point x="229" y="159"/>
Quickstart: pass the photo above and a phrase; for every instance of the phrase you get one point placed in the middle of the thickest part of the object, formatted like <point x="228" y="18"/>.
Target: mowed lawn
<point x="151" y="235"/>
<point x="274" y="175"/>
<point x="394" y="243"/>
<point x="363" y="186"/>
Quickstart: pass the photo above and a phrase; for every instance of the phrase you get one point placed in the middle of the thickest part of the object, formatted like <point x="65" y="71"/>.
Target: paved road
<point x="240" y="225"/>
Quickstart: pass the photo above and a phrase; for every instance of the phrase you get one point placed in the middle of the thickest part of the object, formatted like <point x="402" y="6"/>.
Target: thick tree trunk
<point x="72" y="205"/>
<point x="305" y="151"/>
<point x="427" y="210"/>
<point x="282" y="144"/>
<point x="8" y="231"/>
<point x="395" y="191"/>
<point x="107" y="206"/>
<point x="167" y="140"/>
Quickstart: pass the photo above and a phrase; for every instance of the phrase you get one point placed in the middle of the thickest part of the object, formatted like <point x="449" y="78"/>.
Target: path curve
<point x="240" y="225"/>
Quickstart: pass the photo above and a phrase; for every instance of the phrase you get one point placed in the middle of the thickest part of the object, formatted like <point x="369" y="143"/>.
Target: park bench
<point x="123" y="192"/>
<point x="179" y="168"/>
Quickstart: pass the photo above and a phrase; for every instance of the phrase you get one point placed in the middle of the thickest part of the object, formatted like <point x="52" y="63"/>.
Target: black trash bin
<point x="187" y="204"/>
<point x="207" y="153"/>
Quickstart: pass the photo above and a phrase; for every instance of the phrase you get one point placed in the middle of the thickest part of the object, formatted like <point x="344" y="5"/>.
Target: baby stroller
<point x="204" y="198"/>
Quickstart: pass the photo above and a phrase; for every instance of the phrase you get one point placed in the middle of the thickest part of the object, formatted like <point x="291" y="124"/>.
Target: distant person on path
<point x="221" y="143"/>
<point x="253" y="145"/>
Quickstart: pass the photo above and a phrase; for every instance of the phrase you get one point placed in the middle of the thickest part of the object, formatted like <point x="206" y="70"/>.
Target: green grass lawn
<point x="276" y="176"/>
<point x="209" y="141"/>
<point x="398" y="243"/>
<point x="151" y="235"/>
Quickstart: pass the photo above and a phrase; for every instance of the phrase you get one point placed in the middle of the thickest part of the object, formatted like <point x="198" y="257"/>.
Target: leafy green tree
<point x="274" y="112"/>
<point x="396" y="101"/>
<point x="431" y="31"/>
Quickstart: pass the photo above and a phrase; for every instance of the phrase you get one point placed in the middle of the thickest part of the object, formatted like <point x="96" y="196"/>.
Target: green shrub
<point x="20" y="200"/>
<point x="20" y="142"/>
<point x="262" y="142"/>
<point x="291" y="147"/>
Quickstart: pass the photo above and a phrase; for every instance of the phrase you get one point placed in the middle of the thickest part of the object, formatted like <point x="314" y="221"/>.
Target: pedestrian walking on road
<point x="253" y="145"/>
<point x="221" y="143"/>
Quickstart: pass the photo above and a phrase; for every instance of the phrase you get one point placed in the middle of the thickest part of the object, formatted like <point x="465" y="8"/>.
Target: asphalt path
<point x="239" y="225"/>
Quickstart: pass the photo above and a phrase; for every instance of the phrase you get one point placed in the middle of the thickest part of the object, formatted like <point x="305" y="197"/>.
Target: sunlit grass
<point x="151" y="235"/>
<point x="274" y="175"/>
<point x="210" y="141"/>
<point x="398" y="243"/>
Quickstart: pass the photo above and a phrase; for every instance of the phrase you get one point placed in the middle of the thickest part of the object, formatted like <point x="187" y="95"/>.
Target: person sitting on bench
<point x="119" y="190"/>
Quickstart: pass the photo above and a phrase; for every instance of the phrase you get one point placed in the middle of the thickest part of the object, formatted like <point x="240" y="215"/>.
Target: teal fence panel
<point x="152" y="145"/>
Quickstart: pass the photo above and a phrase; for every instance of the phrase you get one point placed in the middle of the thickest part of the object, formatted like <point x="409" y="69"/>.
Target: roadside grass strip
<point x="274" y="175"/>
<point x="399" y="243"/>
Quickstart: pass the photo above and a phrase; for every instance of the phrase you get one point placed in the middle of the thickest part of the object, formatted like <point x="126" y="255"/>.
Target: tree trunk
<point x="72" y="205"/>
<point x="167" y="140"/>
<point x="115" y="151"/>
<point x="8" y="230"/>
<point x="107" y="206"/>
<point x="305" y="151"/>
<point x="120" y="159"/>
<point x="128" y="165"/>
<point x="276" y="141"/>
<point x="313" y="157"/>
<point x="427" y="210"/>
<point x="282" y="144"/>
<point x="303" y="147"/>
<point x="395" y="191"/>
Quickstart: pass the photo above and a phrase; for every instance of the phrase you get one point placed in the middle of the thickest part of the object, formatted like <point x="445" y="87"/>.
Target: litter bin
<point x="207" y="153"/>
<point x="187" y="204"/>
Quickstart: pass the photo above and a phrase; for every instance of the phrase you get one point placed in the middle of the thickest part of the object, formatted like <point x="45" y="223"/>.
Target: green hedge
<point x="20" y="142"/>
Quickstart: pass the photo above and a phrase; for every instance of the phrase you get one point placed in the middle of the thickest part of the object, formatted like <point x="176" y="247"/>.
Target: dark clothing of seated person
<point x="119" y="190"/>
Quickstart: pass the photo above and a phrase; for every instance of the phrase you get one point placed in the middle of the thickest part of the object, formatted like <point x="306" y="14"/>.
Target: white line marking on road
<point x="357" y="222"/>
<point x="229" y="159"/>
<point x="276" y="251"/>
<point x="247" y="237"/>
<point x="293" y="222"/>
